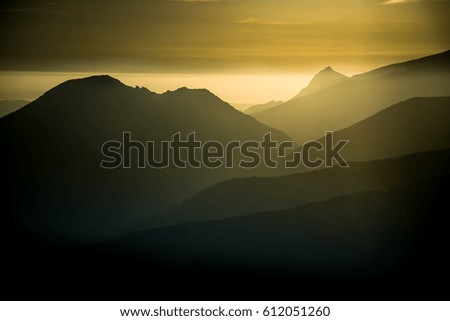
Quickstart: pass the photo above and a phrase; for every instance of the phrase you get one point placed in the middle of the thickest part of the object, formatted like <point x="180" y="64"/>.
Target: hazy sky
<point x="192" y="40"/>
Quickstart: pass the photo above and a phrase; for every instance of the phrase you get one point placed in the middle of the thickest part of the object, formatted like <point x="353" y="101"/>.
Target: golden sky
<point x="244" y="39"/>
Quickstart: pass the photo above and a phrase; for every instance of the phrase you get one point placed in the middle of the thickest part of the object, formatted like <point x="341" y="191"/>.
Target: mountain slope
<point x="9" y="106"/>
<point x="262" y="107"/>
<point x="52" y="154"/>
<point x="433" y="62"/>
<point x="418" y="125"/>
<point x="414" y="125"/>
<point x="242" y="196"/>
<point x="348" y="102"/>
<point x="384" y="237"/>
<point x="325" y="78"/>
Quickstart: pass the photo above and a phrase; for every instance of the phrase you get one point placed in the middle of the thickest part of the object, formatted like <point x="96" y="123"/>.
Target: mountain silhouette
<point x="52" y="152"/>
<point x="262" y="107"/>
<point x="425" y="64"/>
<point x="325" y="78"/>
<point x="240" y="196"/>
<point x="343" y="104"/>
<point x="9" y="106"/>
<point x="381" y="221"/>
<point x="411" y="126"/>
<point x="355" y="231"/>
<point x="361" y="243"/>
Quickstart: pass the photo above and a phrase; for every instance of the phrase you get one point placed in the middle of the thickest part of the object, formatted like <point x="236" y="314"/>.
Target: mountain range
<point x="69" y="224"/>
<point x="241" y="196"/>
<point x="373" y="239"/>
<point x="53" y="148"/>
<point x="411" y="126"/>
<point x="362" y="234"/>
<point x="349" y="101"/>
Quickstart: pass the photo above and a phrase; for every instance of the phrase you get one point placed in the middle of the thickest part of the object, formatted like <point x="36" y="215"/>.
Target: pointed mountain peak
<point x="327" y="69"/>
<point x="325" y="78"/>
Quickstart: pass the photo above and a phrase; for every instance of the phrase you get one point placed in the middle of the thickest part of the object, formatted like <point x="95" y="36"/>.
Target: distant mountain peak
<point x="327" y="69"/>
<point x="325" y="78"/>
<point x="327" y="72"/>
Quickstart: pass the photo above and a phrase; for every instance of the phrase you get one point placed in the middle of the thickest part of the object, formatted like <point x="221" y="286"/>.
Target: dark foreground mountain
<point x="242" y="196"/>
<point x="364" y="233"/>
<point x="368" y="245"/>
<point x="345" y="103"/>
<point x="9" y="106"/>
<point x="51" y="151"/>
